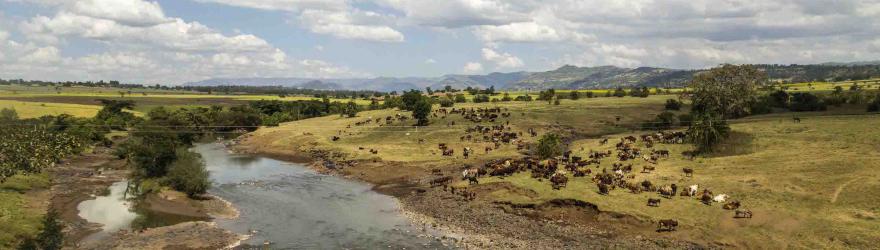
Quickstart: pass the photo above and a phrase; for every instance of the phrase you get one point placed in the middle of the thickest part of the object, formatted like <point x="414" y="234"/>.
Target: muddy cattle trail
<point x="840" y="189"/>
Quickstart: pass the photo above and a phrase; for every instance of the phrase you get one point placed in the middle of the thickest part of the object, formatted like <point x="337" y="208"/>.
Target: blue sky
<point x="175" y="41"/>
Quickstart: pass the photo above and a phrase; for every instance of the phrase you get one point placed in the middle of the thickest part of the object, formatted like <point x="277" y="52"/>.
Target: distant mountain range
<point x="565" y="77"/>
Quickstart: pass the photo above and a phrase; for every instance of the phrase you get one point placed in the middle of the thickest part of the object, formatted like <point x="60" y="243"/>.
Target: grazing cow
<point x="603" y="188"/>
<point x="742" y="214"/>
<point x="688" y="172"/>
<point x="647" y="169"/>
<point x="334" y="138"/>
<point x="667" y="225"/>
<point x="707" y="197"/>
<point x="796" y="119"/>
<point x="647" y="185"/>
<point x="603" y="141"/>
<point x="666" y="191"/>
<point x="441" y="181"/>
<point x="448" y="152"/>
<point x="732" y="205"/>
<point x="471" y="175"/>
<point x="436" y="171"/>
<point x="559" y="180"/>
<point x="690" y="190"/>
<point x="653" y="202"/>
<point x="721" y="198"/>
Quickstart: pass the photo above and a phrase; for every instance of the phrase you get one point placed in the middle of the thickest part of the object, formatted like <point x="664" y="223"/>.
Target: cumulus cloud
<point x="472" y="68"/>
<point x="458" y="13"/>
<point x="501" y="60"/>
<point x="334" y="17"/>
<point x="147" y="47"/>
<point x="343" y="25"/>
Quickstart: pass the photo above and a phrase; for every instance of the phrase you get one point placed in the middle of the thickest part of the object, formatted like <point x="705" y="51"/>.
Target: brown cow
<point x="743" y="214"/>
<point x="667" y="225"/>
<point x="653" y="202"/>
<point x="688" y="172"/>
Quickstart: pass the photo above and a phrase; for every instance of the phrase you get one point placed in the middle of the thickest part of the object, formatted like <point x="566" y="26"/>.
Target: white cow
<point x="721" y="198"/>
<point x="692" y="190"/>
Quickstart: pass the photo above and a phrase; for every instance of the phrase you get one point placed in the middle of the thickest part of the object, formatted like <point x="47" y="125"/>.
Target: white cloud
<point x="430" y="61"/>
<point x="147" y="47"/>
<point x="342" y="25"/>
<point x="458" y="13"/>
<point x="131" y="12"/>
<point x="176" y="35"/>
<point x="286" y="5"/>
<point x="502" y="60"/>
<point x="472" y="68"/>
<point x="334" y="17"/>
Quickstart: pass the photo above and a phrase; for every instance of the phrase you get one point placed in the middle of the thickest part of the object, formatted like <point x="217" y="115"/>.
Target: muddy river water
<point x="287" y="205"/>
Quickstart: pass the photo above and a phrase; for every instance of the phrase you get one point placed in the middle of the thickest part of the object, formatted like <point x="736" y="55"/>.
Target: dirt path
<point x="840" y="189"/>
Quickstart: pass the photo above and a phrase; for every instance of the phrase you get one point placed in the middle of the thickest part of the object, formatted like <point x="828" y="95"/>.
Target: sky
<point x="177" y="41"/>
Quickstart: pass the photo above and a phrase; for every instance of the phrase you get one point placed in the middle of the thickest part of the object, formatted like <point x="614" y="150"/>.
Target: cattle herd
<point x="557" y="170"/>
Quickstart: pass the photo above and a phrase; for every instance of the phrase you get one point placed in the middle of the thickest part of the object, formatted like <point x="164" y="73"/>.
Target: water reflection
<point x="294" y="207"/>
<point x="112" y="211"/>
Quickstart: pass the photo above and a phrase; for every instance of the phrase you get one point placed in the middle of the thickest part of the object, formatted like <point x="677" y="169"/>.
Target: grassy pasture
<point x="21" y="207"/>
<point x="37" y="109"/>
<point x="399" y="141"/>
<point x="812" y="184"/>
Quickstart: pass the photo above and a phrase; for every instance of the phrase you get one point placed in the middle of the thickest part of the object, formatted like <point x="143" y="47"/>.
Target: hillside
<point x="565" y="77"/>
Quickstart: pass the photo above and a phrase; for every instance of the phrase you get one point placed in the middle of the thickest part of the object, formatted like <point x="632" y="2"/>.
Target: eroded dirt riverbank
<point x="90" y="175"/>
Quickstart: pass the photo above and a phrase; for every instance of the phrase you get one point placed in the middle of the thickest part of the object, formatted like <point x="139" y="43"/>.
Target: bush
<point x="188" y="174"/>
<point x="806" y="102"/>
<point x="574" y="95"/>
<point x="506" y="98"/>
<point x="664" y="120"/>
<point x="672" y="104"/>
<point x="550" y="145"/>
<point x="7" y="115"/>
<point x="459" y="98"/>
<point x="446" y="102"/>
<point x="523" y="98"/>
<point x="481" y="98"/>
<point x="685" y="120"/>
<point x="619" y="92"/>
<point x="763" y="105"/>
<point x="874" y="106"/>
<point x="707" y="130"/>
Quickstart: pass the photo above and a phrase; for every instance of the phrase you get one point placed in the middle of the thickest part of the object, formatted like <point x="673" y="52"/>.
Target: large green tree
<point x="727" y="91"/>
<point x="421" y="111"/>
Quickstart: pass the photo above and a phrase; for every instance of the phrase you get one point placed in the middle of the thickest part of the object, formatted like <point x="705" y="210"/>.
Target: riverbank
<point x="90" y="175"/>
<point x="475" y="222"/>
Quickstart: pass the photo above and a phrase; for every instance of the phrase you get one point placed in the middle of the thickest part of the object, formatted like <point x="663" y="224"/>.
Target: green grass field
<point x="21" y="207"/>
<point x="37" y="109"/>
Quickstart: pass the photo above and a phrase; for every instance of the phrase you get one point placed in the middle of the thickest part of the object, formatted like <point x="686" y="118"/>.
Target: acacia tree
<point x="421" y="110"/>
<point x="719" y="94"/>
<point x="728" y="90"/>
<point x="549" y="145"/>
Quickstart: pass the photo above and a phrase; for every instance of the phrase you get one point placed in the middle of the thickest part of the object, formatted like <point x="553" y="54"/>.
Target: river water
<point x="287" y="205"/>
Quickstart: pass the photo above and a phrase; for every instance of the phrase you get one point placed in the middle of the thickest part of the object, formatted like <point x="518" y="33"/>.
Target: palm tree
<point x="706" y="130"/>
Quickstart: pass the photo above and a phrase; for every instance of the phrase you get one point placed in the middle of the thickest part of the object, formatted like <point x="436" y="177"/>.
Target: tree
<point x="446" y="102"/>
<point x="421" y="110"/>
<point x="459" y="98"/>
<point x="874" y="106"/>
<point x="188" y="174"/>
<point x="8" y="115"/>
<point x="707" y="130"/>
<point x="351" y="109"/>
<point x="410" y="98"/>
<point x="672" y="104"/>
<point x="547" y="95"/>
<point x="550" y="145"/>
<point x="556" y="101"/>
<point x="619" y="92"/>
<point x="506" y="97"/>
<point x="727" y="91"/>
<point x="574" y="95"/>
<point x="51" y="237"/>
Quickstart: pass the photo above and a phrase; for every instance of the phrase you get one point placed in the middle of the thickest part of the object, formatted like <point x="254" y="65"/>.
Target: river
<point x="288" y="205"/>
